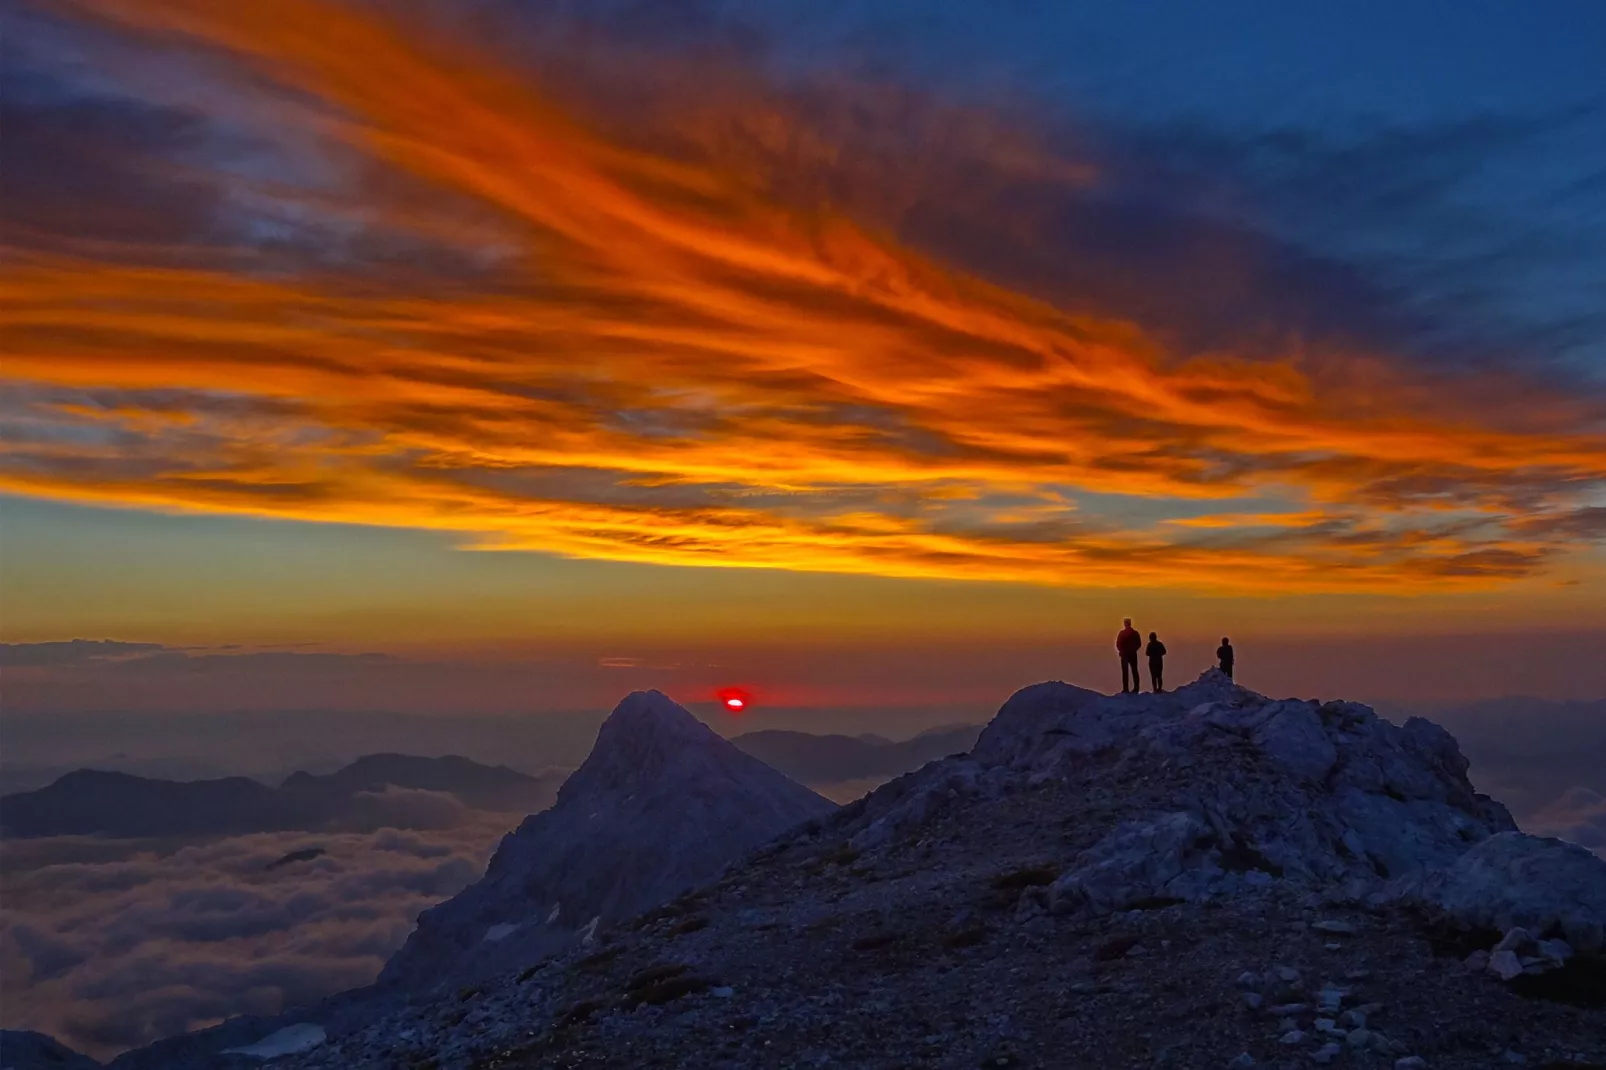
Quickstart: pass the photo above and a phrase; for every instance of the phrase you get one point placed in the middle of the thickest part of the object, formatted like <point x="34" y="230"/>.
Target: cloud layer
<point x="654" y="317"/>
<point x="110" y="945"/>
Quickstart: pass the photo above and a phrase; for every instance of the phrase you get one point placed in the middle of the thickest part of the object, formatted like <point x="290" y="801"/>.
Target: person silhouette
<point x="1224" y="655"/>
<point x="1156" y="652"/>
<point x="1127" y="644"/>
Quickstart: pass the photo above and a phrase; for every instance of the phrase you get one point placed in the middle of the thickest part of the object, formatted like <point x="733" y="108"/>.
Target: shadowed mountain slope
<point x="661" y="805"/>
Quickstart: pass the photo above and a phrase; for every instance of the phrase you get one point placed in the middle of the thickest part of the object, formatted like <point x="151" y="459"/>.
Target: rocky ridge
<point x="1205" y="878"/>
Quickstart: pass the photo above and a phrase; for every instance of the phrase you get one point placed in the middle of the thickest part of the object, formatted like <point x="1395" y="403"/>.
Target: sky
<point x="504" y="356"/>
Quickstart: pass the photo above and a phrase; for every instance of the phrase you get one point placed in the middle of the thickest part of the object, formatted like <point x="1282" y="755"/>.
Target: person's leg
<point x="1129" y="662"/>
<point x="1124" y="687"/>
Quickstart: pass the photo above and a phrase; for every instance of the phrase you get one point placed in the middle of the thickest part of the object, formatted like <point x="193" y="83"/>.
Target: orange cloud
<point x="669" y="364"/>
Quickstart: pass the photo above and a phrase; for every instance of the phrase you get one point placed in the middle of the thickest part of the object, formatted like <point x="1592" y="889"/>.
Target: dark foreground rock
<point x="1202" y="879"/>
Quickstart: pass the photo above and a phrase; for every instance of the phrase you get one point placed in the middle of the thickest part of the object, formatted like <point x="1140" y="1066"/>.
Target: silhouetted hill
<point x="96" y="802"/>
<point x="814" y="759"/>
<point x="484" y="787"/>
<point x="22" y="1049"/>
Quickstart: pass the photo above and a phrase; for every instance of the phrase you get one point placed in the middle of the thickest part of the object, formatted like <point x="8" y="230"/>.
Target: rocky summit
<point x="659" y="807"/>
<point x="1207" y="878"/>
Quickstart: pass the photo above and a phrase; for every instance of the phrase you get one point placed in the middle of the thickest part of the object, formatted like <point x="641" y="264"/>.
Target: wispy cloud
<point x="72" y="652"/>
<point x="686" y="335"/>
<point x="133" y="657"/>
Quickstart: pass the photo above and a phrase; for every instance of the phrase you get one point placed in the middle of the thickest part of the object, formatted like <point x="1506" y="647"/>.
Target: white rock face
<point x="1260" y="790"/>
<point x="291" y="1040"/>
<point x="1138" y="860"/>
<point x="1290" y="789"/>
<point x="1328" y="794"/>
<point x="660" y="806"/>
<point x="1534" y="882"/>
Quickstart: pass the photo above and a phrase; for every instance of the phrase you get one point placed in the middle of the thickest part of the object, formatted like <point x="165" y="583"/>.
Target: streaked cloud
<point x="72" y="652"/>
<point x="676" y="324"/>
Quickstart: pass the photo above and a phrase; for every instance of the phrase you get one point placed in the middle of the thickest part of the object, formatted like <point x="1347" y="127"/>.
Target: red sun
<point x="734" y="699"/>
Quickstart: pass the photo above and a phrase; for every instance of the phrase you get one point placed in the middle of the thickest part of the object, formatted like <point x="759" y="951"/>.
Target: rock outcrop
<point x="1257" y="789"/>
<point x="660" y="806"/>
<point x="1515" y="881"/>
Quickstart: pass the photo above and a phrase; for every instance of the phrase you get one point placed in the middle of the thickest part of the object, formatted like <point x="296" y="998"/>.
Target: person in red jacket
<point x="1127" y="644"/>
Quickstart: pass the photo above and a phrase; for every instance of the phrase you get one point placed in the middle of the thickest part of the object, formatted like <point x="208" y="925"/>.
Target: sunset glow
<point x="321" y="301"/>
<point x="885" y="410"/>
<point x="663" y="359"/>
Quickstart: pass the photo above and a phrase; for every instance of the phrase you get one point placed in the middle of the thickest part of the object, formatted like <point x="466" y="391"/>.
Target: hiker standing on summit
<point x="1156" y="652"/>
<point x="1127" y="644"/>
<point x="1224" y="654"/>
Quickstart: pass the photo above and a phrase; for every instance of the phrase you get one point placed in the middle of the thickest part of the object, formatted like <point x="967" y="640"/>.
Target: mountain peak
<point x="660" y="806"/>
<point x="647" y="739"/>
<point x="652" y="714"/>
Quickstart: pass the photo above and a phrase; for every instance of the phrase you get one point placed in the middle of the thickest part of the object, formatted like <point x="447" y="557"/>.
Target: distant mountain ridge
<point x="824" y="759"/>
<point x="484" y="787"/>
<point x="121" y="805"/>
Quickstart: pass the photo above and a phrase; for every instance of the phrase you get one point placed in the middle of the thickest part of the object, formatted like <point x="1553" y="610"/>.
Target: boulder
<point x="1168" y="856"/>
<point x="1543" y="885"/>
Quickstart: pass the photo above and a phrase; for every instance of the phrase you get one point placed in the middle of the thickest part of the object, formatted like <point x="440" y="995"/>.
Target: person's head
<point x="1126" y="621"/>
<point x="1225" y="642"/>
<point x="1153" y="637"/>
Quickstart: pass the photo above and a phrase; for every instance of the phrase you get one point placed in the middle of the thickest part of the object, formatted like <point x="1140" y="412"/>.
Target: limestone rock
<point x="1505" y="965"/>
<point x="1339" y="796"/>
<point x="1513" y="879"/>
<point x="1139" y="860"/>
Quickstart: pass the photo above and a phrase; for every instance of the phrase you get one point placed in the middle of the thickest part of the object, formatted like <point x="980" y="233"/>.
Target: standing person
<point x="1224" y="655"/>
<point x="1156" y="652"/>
<point x="1127" y="644"/>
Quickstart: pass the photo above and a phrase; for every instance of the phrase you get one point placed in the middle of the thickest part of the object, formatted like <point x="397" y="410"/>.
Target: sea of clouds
<point x="111" y="944"/>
